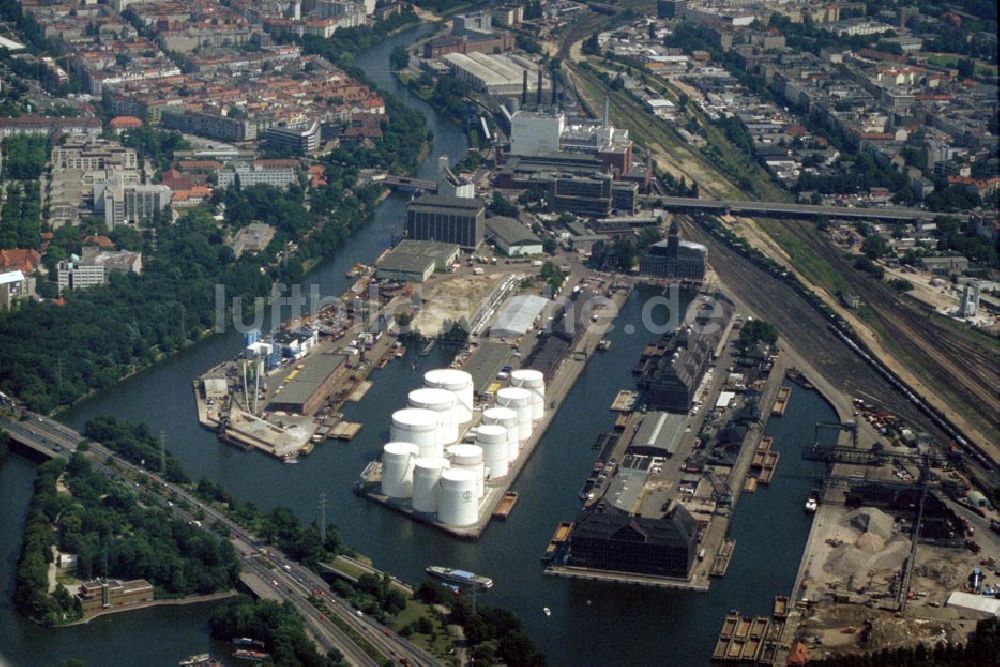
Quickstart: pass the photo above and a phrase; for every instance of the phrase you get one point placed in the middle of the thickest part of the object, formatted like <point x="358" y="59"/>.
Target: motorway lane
<point x="59" y="440"/>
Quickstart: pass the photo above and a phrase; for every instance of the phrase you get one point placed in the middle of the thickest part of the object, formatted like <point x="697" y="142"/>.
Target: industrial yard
<point x="685" y="470"/>
<point x="456" y="475"/>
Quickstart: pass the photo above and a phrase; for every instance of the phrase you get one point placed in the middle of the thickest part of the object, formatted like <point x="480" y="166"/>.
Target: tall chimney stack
<point x="553" y="76"/>
<point x="607" y="112"/>
<point x="524" y="90"/>
<point x="538" y="94"/>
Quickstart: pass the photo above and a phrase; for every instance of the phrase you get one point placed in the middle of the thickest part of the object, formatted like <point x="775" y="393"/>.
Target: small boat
<point x="251" y="656"/>
<point x="201" y="660"/>
<point x="291" y="460"/>
<point x="246" y="641"/>
<point x="811" y="505"/>
<point x="604" y="345"/>
<point x="546" y="611"/>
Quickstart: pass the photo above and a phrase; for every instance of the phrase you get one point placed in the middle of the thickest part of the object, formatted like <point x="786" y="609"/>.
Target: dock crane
<point x="877" y="456"/>
<point x="849" y="426"/>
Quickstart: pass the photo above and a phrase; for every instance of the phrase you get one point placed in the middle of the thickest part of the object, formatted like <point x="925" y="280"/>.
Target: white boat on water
<point x="546" y="611"/>
<point x="811" y="505"/>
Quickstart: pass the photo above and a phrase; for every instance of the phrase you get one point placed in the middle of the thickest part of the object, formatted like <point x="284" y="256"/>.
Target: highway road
<point x="290" y="580"/>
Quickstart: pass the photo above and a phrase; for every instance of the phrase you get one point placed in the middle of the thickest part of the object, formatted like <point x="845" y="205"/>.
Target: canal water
<point x="590" y="623"/>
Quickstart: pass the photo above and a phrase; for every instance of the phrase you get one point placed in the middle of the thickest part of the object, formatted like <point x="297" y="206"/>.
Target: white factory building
<point x="535" y="132"/>
<point x="539" y="133"/>
<point x="497" y="74"/>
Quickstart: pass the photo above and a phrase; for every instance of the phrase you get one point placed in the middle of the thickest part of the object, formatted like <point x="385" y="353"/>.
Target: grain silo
<point x="492" y="438"/>
<point x="508" y="419"/>
<point x="397" y="469"/>
<point x="442" y="402"/>
<point x="426" y="475"/>
<point x="457" y="501"/>
<point x="534" y="382"/>
<point x="517" y="399"/>
<point x="457" y="382"/>
<point x="469" y="457"/>
<point x="419" y="427"/>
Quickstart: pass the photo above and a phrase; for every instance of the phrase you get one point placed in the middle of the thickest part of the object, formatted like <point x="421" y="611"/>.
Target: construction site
<point x="902" y="550"/>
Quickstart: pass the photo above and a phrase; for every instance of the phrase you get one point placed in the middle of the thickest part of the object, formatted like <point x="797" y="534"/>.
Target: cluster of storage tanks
<point x="425" y="459"/>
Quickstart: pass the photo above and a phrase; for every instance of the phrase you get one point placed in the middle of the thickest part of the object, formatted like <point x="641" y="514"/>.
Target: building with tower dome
<point x="674" y="258"/>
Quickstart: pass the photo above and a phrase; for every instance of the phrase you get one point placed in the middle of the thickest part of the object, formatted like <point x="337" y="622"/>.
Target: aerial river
<point x="590" y="624"/>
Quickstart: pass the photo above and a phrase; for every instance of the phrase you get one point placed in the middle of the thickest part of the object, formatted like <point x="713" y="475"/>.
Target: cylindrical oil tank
<point x="534" y="382"/>
<point x="419" y="427"/>
<point x="426" y="474"/>
<point x="457" y="382"/>
<point x="517" y="399"/>
<point x="458" y="504"/>
<point x="469" y="457"/>
<point x="397" y="469"/>
<point x="494" y="442"/>
<point x="442" y="402"/>
<point x="508" y="419"/>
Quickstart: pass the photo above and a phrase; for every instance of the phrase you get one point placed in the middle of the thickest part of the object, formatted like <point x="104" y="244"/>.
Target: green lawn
<point x="983" y="70"/>
<point x="439" y="643"/>
<point x="808" y="263"/>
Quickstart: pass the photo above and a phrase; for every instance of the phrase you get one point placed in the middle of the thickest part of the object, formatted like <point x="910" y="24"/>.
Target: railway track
<point x="953" y="358"/>
<point x="798" y="321"/>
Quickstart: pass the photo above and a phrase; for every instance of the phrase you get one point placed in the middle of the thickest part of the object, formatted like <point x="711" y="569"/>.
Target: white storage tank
<point x="442" y="402"/>
<point x="534" y="382"/>
<point x="508" y="419"/>
<point x="426" y="475"/>
<point x="397" y="469"/>
<point x="457" y="501"/>
<point x="457" y="382"/>
<point x="517" y="399"/>
<point x="419" y="427"/>
<point x="494" y="442"/>
<point x="469" y="457"/>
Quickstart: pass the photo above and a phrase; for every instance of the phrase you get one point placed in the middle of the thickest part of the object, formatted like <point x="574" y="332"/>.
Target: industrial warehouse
<point x="415" y="261"/>
<point x="512" y="237"/>
<point x="306" y="390"/>
<point x="446" y="219"/>
<point x="499" y="75"/>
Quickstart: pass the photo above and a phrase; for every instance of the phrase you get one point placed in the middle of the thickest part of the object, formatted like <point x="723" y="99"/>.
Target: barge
<point x="506" y="505"/>
<point x="782" y="401"/>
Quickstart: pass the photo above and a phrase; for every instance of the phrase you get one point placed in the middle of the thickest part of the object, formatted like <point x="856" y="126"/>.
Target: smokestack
<point x="607" y="113"/>
<point x="553" y="77"/>
<point x="524" y="91"/>
<point x="538" y="95"/>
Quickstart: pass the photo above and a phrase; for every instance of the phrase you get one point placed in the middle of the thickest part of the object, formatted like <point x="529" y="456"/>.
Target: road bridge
<point x="409" y="185"/>
<point x="266" y="570"/>
<point x="785" y="209"/>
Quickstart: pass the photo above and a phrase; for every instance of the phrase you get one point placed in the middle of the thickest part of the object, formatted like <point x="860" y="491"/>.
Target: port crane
<point x="849" y="426"/>
<point x="877" y="456"/>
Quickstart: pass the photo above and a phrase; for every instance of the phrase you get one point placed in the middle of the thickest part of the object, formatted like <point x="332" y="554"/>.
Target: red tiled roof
<point x="122" y="122"/>
<point x="19" y="259"/>
<point x="99" y="241"/>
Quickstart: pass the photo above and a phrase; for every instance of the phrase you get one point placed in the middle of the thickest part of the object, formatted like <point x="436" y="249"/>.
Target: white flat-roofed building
<point x="496" y="74"/>
<point x="517" y="316"/>
<point x="14" y="286"/>
<point x="280" y="177"/>
<point x="535" y="132"/>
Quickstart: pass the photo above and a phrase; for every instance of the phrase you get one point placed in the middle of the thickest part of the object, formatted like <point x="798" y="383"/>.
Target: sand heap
<point x="871" y="520"/>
